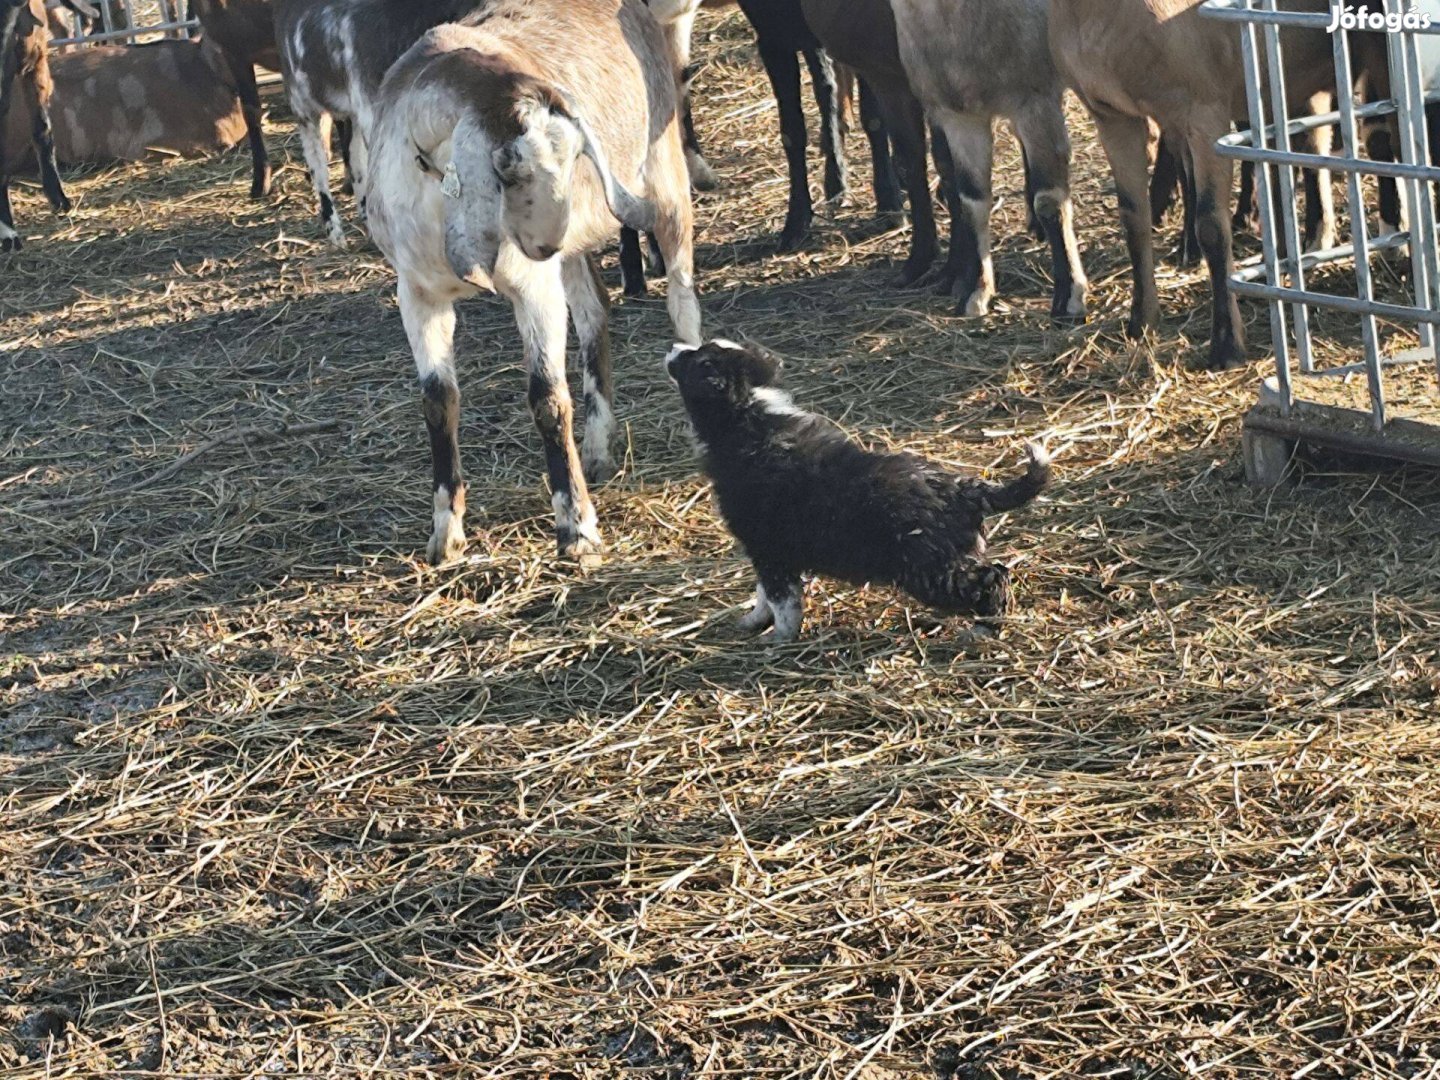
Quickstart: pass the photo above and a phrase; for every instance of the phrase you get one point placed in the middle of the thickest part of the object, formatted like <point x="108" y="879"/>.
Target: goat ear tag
<point x="450" y="182"/>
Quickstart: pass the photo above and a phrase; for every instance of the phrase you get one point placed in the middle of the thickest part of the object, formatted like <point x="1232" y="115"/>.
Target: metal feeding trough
<point x="1377" y="405"/>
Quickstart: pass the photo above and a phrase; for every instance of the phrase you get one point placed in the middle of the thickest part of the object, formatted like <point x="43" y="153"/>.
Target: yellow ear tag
<point x="450" y="182"/>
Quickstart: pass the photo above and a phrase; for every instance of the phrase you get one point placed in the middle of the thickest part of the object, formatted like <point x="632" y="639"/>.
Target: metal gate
<point x="129" y="22"/>
<point x="1300" y="403"/>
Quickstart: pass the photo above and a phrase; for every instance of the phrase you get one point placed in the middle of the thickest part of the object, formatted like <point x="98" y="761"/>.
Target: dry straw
<point x="280" y="800"/>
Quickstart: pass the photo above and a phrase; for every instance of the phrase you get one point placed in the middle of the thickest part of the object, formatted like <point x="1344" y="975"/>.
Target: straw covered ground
<point x="280" y="799"/>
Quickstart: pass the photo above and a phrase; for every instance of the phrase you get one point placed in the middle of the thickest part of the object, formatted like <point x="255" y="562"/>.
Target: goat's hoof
<point x="63" y="205"/>
<point x="599" y="470"/>
<point x="941" y="282"/>
<point x="702" y="176"/>
<point x="587" y="551"/>
<point x="447" y="542"/>
<point x="915" y="271"/>
<point x="636" y="289"/>
<point x="1138" y="325"/>
<point x="11" y="243"/>
<point x="260" y="189"/>
<point x="975" y="306"/>
<point x="336" y="236"/>
<point x="1225" y="356"/>
<point x="793" y="236"/>
<point x="1070" y="310"/>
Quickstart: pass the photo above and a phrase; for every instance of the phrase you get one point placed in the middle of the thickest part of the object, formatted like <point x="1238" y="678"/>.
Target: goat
<point x="24" y="38"/>
<point x="121" y="102"/>
<point x="245" y="32"/>
<point x="968" y="62"/>
<point x="780" y="33"/>
<point x="476" y="184"/>
<point x="1133" y="60"/>
<point x="862" y="36"/>
<point x="334" y="54"/>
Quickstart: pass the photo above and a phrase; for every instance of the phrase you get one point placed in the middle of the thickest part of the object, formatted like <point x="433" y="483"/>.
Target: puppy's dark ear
<point x="761" y="366"/>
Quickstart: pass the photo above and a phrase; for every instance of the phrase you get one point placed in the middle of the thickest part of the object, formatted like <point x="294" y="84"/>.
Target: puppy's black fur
<point x="801" y="497"/>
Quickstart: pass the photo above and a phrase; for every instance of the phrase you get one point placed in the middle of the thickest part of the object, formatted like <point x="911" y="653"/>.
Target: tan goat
<point x="123" y="102"/>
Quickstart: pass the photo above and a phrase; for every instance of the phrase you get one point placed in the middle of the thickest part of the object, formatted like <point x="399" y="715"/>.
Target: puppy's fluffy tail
<point x="1022" y="489"/>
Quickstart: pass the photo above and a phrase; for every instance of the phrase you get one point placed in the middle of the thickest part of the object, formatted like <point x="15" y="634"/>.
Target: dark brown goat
<point x="24" y="44"/>
<point x="245" y="32"/>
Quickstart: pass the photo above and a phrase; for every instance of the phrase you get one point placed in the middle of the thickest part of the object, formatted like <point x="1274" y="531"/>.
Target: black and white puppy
<point x="801" y="497"/>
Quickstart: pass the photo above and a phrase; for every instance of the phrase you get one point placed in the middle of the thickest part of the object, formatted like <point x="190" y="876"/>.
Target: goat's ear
<point x="761" y="366"/>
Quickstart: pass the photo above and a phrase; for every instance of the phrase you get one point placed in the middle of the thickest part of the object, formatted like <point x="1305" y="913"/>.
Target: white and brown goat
<point x="24" y="57"/>
<point x="969" y="62"/>
<point x="334" y="54"/>
<point x="502" y="155"/>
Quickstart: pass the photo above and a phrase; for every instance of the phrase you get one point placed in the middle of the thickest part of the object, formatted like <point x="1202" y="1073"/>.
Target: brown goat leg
<point x="1032" y="220"/>
<point x="783" y="70"/>
<point x="1125" y="139"/>
<point x="1321" y="229"/>
<point x="1187" y="252"/>
<point x="675" y="235"/>
<point x="244" y="73"/>
<point x="888" y="199"/>
<point x="1164" y="181"/>
<point x="632" y="263"/>
<point x="905" y="119"/>
<point x="1214" y="179"/>
<point x="9" y="238"/>
<point x="972" y="153"/>
<point x="38" y="88"/>
<point x="345" y="131"/>
<point x="1046" y="144"/>
<point x="9" y="67"/>
<point x="589" y="306"/>
<point x="832" y="137"/>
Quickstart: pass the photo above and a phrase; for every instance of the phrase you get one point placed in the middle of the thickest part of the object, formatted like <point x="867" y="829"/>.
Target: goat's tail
<point x="1022" y="489"/>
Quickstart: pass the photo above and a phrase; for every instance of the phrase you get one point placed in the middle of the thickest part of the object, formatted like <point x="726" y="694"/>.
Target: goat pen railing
<point x="131" y="21"/>
<point x="1284" y="416"/>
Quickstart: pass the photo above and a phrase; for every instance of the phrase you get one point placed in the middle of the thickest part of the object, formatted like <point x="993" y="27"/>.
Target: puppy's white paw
<point x="757" y="618"/>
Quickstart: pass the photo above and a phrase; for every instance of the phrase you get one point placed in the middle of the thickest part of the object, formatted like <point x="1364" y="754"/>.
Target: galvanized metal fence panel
<point x="1413" y="56"/>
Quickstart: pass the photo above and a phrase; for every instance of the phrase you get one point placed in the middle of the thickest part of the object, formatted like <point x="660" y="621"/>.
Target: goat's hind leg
<point x="537" y="291"/>
<point x="9" y="238"/>
<point x="315" y="138"/>
<point x="832" y="141"/>
<point x="38" y="89"/>
<point x="972" y="152"/>
<point x="589" y="305"/>
<point x="1047" y="152"/>
<point x="430" y="326"/>
<point x="674" y="233"/>
<point x="784" y="72"/>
